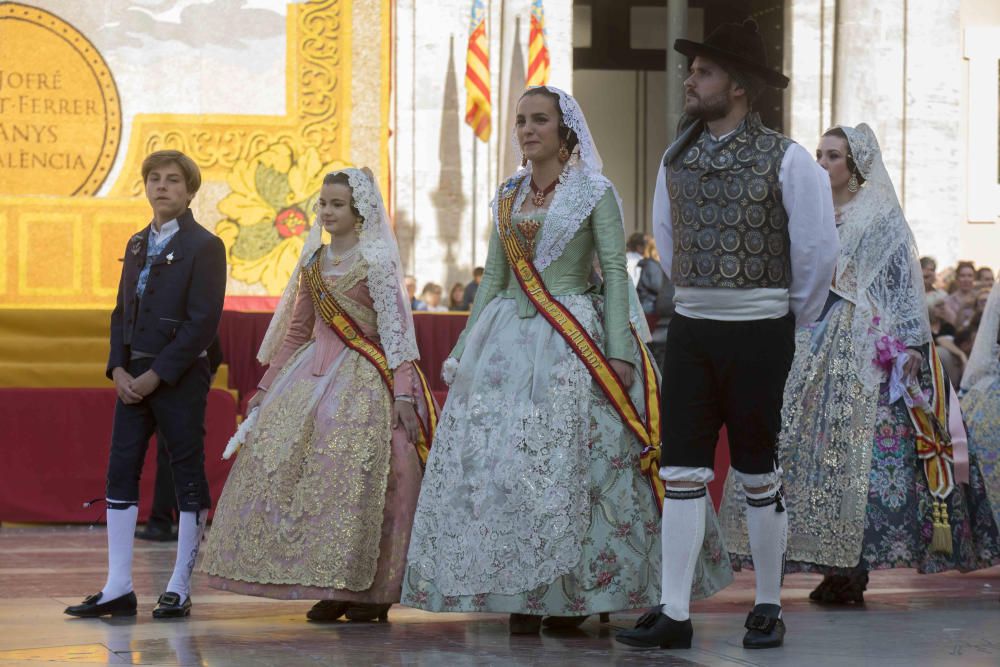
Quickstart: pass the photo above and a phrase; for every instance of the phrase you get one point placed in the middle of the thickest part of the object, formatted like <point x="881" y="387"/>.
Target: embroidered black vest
<point x="730" y="228"/>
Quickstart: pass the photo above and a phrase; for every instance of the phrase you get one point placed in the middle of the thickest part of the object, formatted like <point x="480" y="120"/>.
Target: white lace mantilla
<point x="878" y="269"/>
<point x="581" y="186"/>
<point x="385" y="272"/>
<point x="575" y="197"/>
<point x="984" y="362"/>
<point x="377" y="246"/>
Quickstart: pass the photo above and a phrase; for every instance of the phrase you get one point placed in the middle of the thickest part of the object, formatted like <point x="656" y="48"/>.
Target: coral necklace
<point x="539" y="197"/>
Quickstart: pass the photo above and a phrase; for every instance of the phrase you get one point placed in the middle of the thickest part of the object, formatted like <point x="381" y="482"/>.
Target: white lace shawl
<point x="581" y="185"/>
<point x="984" y="362"/>
<point x="385" y="278"/>
<point x="576" y="195"/>
<point x="879" y="268"/>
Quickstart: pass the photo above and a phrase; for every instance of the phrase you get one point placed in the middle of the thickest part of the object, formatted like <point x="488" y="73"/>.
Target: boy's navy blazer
<point x="179" y="312"/>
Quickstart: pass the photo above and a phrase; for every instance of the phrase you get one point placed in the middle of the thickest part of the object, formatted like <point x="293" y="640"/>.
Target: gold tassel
<point x="941" y="539"/>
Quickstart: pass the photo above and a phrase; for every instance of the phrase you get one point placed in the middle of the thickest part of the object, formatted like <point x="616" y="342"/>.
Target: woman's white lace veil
<point x="585" y="154"/>
<point x="377" y="245"/>
<point x="586" y="158"/>
<point x="984" y="362"/>
<point x="879" y="266"/>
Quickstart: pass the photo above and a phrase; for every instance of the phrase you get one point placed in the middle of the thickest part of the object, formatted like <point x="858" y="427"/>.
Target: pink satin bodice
<point x="305" y="326"/>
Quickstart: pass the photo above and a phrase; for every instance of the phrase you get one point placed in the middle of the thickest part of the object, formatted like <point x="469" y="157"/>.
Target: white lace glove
<point x="241" y="434"/>
<point x="448" y="370"/>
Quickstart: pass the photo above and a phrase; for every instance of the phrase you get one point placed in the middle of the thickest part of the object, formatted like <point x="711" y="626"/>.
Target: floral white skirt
<point x="533" y="501"/>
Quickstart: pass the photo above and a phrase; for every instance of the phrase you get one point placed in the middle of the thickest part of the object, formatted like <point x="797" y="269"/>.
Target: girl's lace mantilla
<point x="377" y="246"/>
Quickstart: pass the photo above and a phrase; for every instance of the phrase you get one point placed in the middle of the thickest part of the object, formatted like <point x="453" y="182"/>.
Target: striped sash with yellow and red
<point x="348" y="331"/>
<point x="934" y="448"/>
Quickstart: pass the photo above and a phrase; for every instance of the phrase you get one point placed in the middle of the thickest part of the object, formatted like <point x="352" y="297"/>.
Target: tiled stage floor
<point x="908" y="620"/>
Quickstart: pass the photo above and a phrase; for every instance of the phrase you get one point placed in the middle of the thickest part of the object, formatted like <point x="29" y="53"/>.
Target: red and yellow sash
<point x="586" y="349"/>
<point x="349" y="332"/>
<point x="934" y="448"/>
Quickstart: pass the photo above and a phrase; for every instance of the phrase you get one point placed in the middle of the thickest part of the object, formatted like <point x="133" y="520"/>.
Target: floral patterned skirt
<point x="898" y="520"/>
<point x="533" y="501"/>
<point x="855" y="489"/>
<point x="981" y="407"/>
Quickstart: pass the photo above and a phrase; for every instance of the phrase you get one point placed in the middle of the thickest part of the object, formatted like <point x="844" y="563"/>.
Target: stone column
<point x="895" y="65"/>
<point x="809" y="37"/>
<point x="869" y="75"/>
<point x="934" y="183"/>
<point x="677" y="22"/>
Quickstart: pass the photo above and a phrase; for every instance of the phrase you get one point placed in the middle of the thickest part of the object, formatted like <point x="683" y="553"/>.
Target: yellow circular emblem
<point x="60" y="116"/>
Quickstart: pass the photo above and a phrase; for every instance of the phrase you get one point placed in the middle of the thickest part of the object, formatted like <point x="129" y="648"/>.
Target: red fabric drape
<point x="55" y="452"/>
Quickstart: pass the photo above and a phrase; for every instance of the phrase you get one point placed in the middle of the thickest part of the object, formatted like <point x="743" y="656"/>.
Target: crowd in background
<point x="956" y="298"/>
<point x="431" y="299"/>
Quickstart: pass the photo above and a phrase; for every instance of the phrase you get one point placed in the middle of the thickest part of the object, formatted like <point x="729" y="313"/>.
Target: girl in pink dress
<point x="320" y="502"/>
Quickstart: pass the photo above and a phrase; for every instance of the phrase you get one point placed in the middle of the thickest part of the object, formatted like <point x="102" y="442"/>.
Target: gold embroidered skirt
<point x="320" y="501"/>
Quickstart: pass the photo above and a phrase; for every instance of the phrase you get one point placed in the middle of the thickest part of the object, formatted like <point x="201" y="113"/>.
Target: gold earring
<point x="563" y="152"/>
<point x="358" y="226"/>
<point x="524" y="160"/>
<point x="852" y="183"/>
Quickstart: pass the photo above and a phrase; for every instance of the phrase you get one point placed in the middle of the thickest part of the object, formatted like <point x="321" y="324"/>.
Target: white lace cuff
<point x="449" y="369"/>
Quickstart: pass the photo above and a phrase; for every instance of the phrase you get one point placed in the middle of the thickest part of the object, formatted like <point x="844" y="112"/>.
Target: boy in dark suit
<point x="169" y="304"/>
<point x="160" y="527"/>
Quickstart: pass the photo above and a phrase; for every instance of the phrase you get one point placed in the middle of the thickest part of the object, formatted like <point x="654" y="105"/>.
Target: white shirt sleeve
<point x="663" y="231"/>
<point x="815" y="245"/>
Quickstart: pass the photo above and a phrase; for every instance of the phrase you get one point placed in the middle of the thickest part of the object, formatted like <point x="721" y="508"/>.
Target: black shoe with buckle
<point x="170" y="606"/>
<point x="92" y="607"/>
<point x="765" y="629"/>
<point x="656" y="629"/>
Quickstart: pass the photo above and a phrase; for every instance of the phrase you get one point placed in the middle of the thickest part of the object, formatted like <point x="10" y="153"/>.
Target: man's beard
<point x="708" y="109"/>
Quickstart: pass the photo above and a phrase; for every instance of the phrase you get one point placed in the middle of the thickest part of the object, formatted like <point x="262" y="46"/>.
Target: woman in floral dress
<point x="537" y="499"/>
<point x="859" y="496"/>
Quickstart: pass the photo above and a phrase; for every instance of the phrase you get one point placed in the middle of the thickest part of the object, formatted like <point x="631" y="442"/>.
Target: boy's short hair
<point x="192" y="174"/>
<point x="636" y="242"/>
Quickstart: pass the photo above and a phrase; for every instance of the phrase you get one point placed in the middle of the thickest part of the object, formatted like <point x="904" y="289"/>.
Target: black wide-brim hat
<point x="738" y="45"/>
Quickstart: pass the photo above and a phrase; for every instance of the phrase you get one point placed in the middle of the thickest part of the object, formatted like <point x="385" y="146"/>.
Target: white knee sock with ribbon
<point x="767" y="526"/>
<point x="682" y="532"/>
<point x="190" y="529"/>
<point x="121" y="537"/>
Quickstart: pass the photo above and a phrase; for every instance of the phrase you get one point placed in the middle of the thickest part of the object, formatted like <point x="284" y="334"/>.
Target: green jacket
<point x="600" y="232"/>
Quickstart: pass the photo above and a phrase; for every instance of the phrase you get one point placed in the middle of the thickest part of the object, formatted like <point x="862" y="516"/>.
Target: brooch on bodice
<point x="529" y="230"/>
<point x="136" y="245"/>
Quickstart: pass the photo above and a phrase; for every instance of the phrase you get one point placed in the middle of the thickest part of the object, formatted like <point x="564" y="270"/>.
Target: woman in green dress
<point x="534" y="501"/>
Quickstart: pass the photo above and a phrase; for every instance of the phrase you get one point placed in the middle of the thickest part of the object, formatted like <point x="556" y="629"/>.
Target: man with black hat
<point x="743" y="218"/>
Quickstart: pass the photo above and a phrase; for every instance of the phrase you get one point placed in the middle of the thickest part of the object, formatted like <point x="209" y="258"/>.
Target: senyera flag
<point x="478" y="108"/>
<point x="538" y="53"/>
